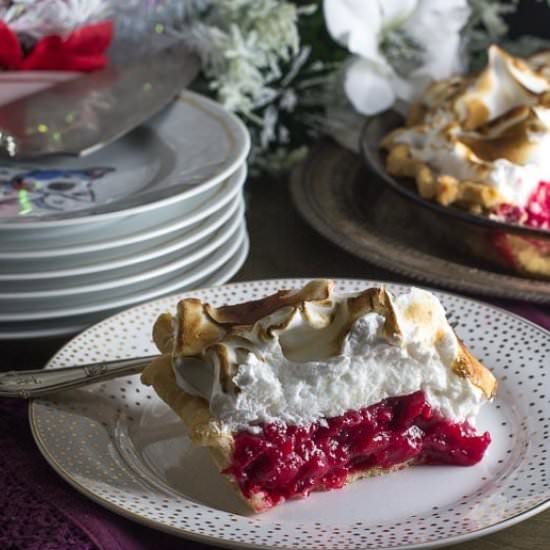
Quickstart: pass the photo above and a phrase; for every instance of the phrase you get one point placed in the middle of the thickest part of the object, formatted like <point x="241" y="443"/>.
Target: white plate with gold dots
<point x="117" y="443"/>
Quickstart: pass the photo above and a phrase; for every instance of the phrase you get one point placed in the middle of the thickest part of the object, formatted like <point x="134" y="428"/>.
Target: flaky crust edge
<point x="201" y="427"/>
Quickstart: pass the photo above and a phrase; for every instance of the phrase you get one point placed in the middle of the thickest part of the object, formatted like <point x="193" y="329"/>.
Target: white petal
<point x="446" y="60"/>
<point x="438" y="17"/>
<point x="396" y="12"/>
<point x="355" y="24"/>
<point x="436" y="26"/>
<point x="407" y="89"/>
<point x="367" y="88"/>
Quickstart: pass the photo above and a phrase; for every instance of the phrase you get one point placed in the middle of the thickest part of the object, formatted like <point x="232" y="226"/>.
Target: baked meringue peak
<point x="507" y="82"/>
<point x="490" y="129"/>
<point x="299" y="356"/>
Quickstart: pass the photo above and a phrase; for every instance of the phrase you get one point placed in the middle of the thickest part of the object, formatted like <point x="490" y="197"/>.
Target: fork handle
<point x="33" y="383"/>
<point x="8" y="144"/>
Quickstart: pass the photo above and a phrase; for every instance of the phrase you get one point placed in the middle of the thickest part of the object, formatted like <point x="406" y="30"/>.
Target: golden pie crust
<point x="445" y="189"/>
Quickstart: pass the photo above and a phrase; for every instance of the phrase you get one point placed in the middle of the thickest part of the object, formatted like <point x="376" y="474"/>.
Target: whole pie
<point x="482" y="142"/>
<point x="307" y="390"/>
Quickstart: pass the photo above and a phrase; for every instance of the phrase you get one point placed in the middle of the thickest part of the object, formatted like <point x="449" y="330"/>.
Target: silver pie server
<point x="34" y="383"/>
<point x="79" y="116"/>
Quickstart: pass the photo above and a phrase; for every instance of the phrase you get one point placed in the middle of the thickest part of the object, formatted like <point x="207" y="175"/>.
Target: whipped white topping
<point x="517" y="183"/>
<point x="514" y="182"/>
<point x="297" y="377"/>
<point x="505" y="83"/>
<point x="511" y="157"/>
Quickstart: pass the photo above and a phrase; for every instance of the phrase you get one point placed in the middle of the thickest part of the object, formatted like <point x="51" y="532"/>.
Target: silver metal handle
<point x="33" y="383"/>
<point x="8" y="144"/>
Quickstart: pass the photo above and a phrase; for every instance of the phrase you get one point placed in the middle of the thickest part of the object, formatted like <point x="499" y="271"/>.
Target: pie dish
<point x="308" y="390"/>
<point x="481" y="142"/>
<point x="471" y="161"/>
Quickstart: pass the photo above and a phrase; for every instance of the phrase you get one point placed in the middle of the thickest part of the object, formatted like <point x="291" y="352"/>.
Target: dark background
<point x="532" y="17"/>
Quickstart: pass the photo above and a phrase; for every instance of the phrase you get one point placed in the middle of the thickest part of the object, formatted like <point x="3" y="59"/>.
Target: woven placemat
<point x="339" y="198"/>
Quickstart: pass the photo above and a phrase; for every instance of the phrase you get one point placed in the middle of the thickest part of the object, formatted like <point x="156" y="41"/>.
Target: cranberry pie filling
<point x="284" y="461"/>
<point x="536" y="213"/>
<point x="306" y="390"/>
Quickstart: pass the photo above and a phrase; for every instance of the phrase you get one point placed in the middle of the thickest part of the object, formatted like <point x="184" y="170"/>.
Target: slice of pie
<point x="307" y="390"/>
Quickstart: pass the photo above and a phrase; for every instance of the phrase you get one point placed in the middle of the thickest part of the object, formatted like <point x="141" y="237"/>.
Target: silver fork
<point x="33" y="383"/>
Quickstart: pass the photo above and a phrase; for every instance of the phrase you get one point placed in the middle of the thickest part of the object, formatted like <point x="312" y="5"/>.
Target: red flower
<point x="83" y="50"/>
<point x="10" y="49"/>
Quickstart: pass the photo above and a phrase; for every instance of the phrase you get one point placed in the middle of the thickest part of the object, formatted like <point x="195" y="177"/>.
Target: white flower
<point x="398" y="45"/>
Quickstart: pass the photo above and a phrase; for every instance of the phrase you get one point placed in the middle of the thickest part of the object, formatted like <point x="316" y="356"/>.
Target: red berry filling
<point x="535" y="214"/>
<point x="284" y="461"/>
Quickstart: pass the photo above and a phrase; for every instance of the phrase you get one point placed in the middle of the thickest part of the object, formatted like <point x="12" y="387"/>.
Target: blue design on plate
<point x="28" y="191"/>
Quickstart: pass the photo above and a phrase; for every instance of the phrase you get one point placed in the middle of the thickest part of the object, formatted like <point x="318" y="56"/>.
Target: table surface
<point x="283" y="245"/>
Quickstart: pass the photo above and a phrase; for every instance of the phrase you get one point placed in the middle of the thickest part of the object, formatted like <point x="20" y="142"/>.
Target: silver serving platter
<point x="182" y="152"/>
<point x="515" y="248"/>
<point x="336" y="194"/>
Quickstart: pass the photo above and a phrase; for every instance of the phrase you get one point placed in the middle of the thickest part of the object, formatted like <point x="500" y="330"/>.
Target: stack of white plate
<point x="157" y="212"/>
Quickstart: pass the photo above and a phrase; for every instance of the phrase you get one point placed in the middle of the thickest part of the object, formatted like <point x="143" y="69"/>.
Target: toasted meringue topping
<point x="300" y="356"/>
<point x="492" y="129"/>
<point x="506" y="83"/>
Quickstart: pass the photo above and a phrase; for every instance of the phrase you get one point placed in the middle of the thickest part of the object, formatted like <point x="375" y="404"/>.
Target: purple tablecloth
<point x="40" y="511"/>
